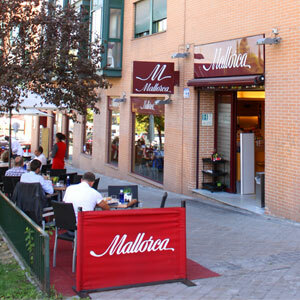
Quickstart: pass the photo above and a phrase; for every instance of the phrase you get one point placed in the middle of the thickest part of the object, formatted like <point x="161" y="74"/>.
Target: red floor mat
<point x="62" y="278"/>
<point x="196" y="271"/>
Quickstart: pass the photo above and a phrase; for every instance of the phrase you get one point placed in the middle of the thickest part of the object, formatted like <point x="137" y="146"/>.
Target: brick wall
<point x="198" y="22"/>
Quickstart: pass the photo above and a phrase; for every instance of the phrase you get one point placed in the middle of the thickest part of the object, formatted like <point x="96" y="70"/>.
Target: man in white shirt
<point x="40" y="155"/>
<point x="16" y="148"/>
<point x="34" y="176"/>
<point x="83" y="195"/>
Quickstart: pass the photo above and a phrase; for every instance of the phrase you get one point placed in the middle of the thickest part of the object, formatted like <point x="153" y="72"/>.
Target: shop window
<point x="150" y="17"/>
<point x="149" y="146"/>
<point x="88" y="128"/>
<point x="114" y="134"/>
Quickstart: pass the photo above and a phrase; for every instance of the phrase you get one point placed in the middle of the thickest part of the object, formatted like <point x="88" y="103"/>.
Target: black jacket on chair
<point x="31" y="199"/>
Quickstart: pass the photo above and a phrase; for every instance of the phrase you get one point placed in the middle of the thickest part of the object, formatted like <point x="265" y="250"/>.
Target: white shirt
<point x="42" y="158"/>
<point x="16" y="147"/>
<point x="82" y="195"/>
<point x="32" y="177"/>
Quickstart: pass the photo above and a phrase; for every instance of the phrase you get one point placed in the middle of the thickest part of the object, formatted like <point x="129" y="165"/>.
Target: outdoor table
<point x="60" y="189"/>
<point x="117" y="205"/>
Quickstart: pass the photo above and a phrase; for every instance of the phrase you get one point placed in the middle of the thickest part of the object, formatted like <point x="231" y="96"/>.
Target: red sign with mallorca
<point x="118" y="248"/>
<point x="146" y="106"/>
<point x="153" y="77"/>
<point x="229" y="58"/>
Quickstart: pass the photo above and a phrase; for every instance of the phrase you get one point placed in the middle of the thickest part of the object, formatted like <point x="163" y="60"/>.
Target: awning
<point x="27" y="112"/>
<point x="228" y="81"/>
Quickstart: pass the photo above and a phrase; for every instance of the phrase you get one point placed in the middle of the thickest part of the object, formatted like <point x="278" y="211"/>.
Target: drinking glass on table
<point x="114" y="198"/>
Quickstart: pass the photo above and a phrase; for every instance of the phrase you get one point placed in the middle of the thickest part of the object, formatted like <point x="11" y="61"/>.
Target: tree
<point x="18" y="36"/>
<point x="46" y="49"/>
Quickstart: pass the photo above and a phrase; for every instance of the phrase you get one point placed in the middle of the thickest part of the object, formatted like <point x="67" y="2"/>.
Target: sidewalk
<point x="257" y="256"/>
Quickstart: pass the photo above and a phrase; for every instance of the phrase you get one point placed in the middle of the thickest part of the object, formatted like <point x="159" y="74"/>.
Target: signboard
<point x="147" y="106"/>
<point x="153" y="77"/>
<point x="119" y="248"/>
<point x="186" y="93"/>
<point x="207" y="119"/>
<point x="113" y="105"/>
<point x="229" y="58"/>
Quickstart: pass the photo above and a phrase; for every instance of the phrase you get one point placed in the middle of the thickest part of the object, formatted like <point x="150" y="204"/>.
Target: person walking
<point x="58" y="152"/>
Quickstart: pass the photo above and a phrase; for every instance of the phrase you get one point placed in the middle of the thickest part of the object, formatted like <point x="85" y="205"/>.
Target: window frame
<point x="152" y="24"/>
<point x="107" y="5"/>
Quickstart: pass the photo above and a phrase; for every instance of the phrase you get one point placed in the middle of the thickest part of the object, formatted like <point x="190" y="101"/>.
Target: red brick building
<point x="222" y="84"/>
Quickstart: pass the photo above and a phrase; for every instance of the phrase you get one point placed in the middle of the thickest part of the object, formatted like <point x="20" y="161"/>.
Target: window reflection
<point x="115" y="23"/>
<point x="149" y="146"/>
<point x="88" y="132"/>
<point x="114" y="55"/>
<point x="114" y="137"/>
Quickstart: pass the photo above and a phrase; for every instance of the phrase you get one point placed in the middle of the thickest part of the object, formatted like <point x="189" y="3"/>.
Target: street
<point x="257" y="256"/>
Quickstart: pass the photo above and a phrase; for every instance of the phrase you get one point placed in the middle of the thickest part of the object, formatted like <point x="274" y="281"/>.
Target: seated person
<point x="83" y="195"/>
<point x="5" y="156"/>
<point x="34" y="176"/>
<point x="18" y="168"/>
<point x="40" y="156"/>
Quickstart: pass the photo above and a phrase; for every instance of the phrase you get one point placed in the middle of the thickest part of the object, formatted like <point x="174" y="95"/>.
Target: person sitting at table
<point x="5" y="156"/>
<point x="34" y="176"/>
<point x="18" y="169"/>
<point x="16" y="148"/>
<point x="40" y="155"/>
<point x="83" y="195"/>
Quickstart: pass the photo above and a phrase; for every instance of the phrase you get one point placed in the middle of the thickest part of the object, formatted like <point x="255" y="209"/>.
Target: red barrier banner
<point x="128" y="247"/>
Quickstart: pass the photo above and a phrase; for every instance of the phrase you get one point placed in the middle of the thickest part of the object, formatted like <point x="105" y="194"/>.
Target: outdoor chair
<point x="96" y="183"/>
<point x="46" y="168"/>
<point x="2" y="174"/>
<point x="77" y="179"/>
<point x="65" y="220"/>
<point x="31" y="199"/>
<point x="71" y="176"/>
<point x="163" y="200"/>
<point x="47" y="218"/>
<point x="9" y="183"/>
<point x="58" y="173"/>
<point x="115" y="190"/>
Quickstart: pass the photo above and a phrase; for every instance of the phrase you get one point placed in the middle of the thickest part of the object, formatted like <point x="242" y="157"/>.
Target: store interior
<point x="251" y="119"/>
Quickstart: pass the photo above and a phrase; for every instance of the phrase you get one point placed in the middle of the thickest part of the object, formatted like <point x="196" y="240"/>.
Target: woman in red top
<point x="58" y="152"/>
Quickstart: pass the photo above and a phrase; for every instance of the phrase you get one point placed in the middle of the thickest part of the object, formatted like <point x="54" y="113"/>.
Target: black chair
<point x="2" y="174"/>
<point x="163" y="200"/>
<point x="9" y="183"/>
<point x="115" y="190"/>
<point x="96" y="183"/>
<point x="65" y="219"/>
<point x="46" y="168"/>
<point x="31" y="199"/>
<point x="77" y="179"/>
<point x="58" y="173"/>
<point x="65" y="176"/>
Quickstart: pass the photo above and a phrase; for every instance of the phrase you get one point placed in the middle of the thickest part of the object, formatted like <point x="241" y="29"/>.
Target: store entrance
<point x="250" y="136"/>
<point x="239" y="138"/>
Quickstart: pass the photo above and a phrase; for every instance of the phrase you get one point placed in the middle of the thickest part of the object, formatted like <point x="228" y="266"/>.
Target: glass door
<point x="224" y="135"/>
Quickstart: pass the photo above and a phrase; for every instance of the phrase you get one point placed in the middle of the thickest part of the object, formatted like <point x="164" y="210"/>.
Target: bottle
<point x="68" y="180"/>
<point x="121" y="196"/>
